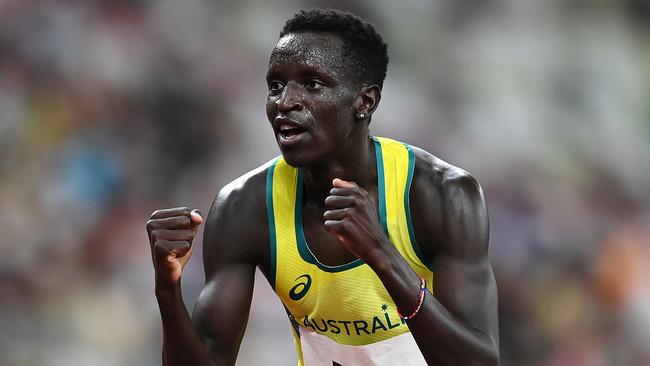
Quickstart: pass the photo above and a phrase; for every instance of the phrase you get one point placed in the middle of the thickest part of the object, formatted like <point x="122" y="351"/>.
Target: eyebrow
<point x="308" y="71"/>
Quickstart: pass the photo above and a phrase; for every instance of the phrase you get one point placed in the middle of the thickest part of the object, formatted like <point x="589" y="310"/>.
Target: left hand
<point x="352" y="216"/>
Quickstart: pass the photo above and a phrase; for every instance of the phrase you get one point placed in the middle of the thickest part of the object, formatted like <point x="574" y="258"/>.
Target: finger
<point x="336" y="227"/>
<point x="176" y="222"/>
<point x="172" y="249"/>
<point x="170" y="212"/>
<point x="347" y="191"/>
<point x="340" y="183"/>
<point x="172" y="235"/>
<point x="337" y="214"/>
<point x="334" y="202"/>
<point x="196" y="218"/>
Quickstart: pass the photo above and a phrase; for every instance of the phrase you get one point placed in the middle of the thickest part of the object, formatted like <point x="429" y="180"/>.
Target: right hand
<point x="171" y="232"/>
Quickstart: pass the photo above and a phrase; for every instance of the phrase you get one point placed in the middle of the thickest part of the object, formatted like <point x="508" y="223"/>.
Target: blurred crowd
<point x="111" y="109"/>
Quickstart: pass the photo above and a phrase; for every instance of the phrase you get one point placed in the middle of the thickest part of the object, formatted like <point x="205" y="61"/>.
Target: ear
<point x="367" y="101"/>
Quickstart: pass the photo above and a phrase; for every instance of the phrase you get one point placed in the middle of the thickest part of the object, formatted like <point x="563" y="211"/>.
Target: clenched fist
<point x="171" y="232"/>
<point x="352" y="216"/>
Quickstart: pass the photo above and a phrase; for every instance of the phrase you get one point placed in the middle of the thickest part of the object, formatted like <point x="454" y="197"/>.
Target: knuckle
<point x="182" y="246"/>
<point x="160" y="246"/>
<point x="185" y="220"/>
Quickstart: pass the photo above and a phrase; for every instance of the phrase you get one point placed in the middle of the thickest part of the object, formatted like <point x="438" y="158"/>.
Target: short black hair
<point x="363" y="46"/>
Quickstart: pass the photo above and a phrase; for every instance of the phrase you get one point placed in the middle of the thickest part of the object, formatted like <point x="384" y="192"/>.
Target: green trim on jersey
<point x="271" y="219"/>
<point x="381" y="184"/>
<point x="416" y="248"/>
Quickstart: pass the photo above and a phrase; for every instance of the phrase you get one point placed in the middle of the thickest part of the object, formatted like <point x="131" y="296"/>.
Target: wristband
<point x="422" y="292"/>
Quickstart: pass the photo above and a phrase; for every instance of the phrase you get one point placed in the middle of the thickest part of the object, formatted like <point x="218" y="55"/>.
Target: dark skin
<point x="313" y="94"/>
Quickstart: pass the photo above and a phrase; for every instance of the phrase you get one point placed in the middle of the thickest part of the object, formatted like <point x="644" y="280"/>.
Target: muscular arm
<point x="457" y="323"/>
<point x="232" y="237"/>
<point x="231" y="252"/>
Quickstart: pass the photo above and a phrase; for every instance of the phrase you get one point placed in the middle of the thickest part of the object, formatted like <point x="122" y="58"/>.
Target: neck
<point x="354" y="162"/>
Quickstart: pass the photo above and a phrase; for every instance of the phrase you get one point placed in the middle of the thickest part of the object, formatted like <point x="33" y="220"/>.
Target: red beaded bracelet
<point x="423" y="291"/>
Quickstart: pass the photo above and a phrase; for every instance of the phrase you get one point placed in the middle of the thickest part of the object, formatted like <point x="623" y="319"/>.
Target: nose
<point x="289" y="99"/>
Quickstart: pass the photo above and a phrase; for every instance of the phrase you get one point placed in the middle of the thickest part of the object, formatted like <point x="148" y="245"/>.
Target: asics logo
<point x="299" y="290"/>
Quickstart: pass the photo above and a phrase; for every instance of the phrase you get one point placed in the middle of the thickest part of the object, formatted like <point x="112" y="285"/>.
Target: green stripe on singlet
<point x="271" y="218"/>
<point x="416" y="248"/>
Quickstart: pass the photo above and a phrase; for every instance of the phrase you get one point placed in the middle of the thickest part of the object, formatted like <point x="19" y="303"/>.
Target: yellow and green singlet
<point x="343" y="315"/>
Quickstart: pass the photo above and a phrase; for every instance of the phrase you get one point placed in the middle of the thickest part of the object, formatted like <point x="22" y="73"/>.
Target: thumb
<point x="195" y="218"/>
<point x="340" y="183"/>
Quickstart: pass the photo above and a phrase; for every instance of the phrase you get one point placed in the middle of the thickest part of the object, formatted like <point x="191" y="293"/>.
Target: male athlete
<point x="377" y="249"/>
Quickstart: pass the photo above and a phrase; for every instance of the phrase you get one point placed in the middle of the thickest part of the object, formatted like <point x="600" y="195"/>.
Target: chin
<point x="298" y="159"/>
<point x="304" y="155"/>
<point x="294" y="161"/>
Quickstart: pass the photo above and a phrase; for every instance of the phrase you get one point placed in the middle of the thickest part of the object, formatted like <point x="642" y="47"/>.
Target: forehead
<point x="321" y="50"/>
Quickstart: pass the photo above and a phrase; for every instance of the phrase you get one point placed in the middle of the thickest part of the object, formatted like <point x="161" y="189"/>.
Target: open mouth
<point x="288" y="132"/>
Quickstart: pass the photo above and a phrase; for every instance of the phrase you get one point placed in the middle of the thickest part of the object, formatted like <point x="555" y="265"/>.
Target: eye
<point x="275" y="86"/>
<point x="313" y="84"/>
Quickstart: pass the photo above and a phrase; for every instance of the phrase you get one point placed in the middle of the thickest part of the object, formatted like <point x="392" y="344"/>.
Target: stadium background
<point x="111" y="109"/>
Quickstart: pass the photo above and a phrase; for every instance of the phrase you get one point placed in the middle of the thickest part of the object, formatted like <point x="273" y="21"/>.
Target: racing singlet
<point x="343" y="315"/>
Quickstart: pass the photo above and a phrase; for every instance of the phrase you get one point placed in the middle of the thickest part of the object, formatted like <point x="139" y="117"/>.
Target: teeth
<point x="288" y="128"/>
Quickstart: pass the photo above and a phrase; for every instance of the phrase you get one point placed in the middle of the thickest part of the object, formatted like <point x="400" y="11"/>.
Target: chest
<point x="322" y="284"/>
<point x="323" y="244"/>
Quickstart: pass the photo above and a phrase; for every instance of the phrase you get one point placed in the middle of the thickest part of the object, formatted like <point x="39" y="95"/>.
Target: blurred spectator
<point x="110" y="109"/>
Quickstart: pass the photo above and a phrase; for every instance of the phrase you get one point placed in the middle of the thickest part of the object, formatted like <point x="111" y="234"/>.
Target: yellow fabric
<point x="348" y="304"/>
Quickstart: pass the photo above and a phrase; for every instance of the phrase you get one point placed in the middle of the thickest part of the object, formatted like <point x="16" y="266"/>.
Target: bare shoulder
<point x="448" y="207"/>
<point x="247" y="192"/>
<point x="434" y="173"/>
<point x="236" y="228"/>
